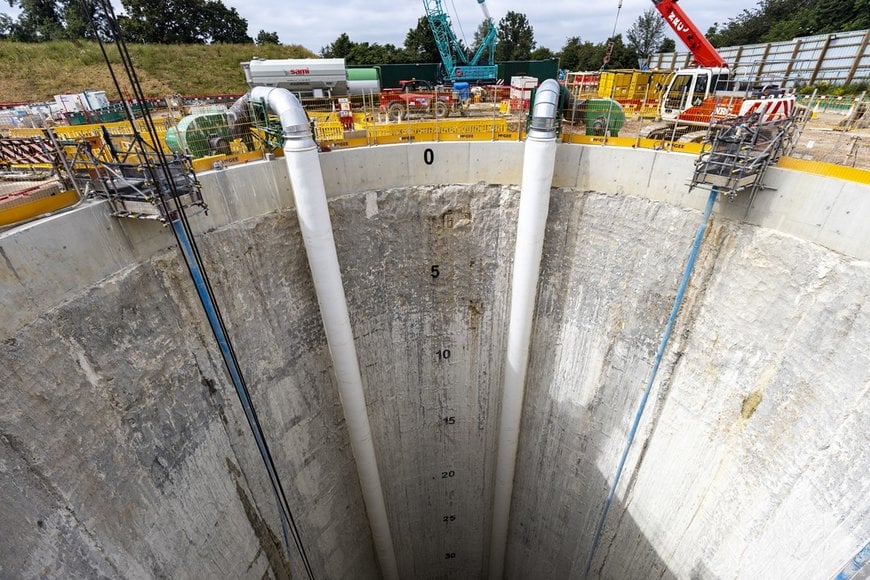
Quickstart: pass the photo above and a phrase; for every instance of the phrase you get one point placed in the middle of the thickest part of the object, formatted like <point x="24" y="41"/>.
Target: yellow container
<point x="632" y="84"/>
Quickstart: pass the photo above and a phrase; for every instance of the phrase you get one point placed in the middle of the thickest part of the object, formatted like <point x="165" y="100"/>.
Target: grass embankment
<point x="36" y="72"/>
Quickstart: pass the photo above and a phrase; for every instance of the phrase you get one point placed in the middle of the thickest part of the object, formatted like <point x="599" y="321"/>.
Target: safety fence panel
<point x="25" y="151"/>
<point x="836" y="58"/>
<point x="836" y="131"/>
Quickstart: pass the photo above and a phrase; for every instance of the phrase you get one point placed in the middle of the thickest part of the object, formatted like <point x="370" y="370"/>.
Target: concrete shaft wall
<point x="123" y="450"/>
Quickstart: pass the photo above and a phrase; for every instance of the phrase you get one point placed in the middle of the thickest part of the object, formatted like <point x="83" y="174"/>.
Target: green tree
<point x="182" y="21"/>
<point x="516" y="38"/>
<point x="77" y="20"/>
<point x="341" y="47"/>
<point x="39" y="20"/>
<point x="667" y="45"/>
<point x="621" y="56"/>
<point x="224" y="25"/>
<point x="576" y="55"/>
<point x="862" y="16"/>
<point x="420" y="43"/>
<point x="6" y="25"/>
<point x="587" y="56"/>
<point x="264" y="37"/>
<point x="542" y="53"/>
<point x="843" y="15"/>
<point x="776" y="20"/>
<point x="646" y="34"/>
<point x="374" y="53"/>
<point x="363" y="52"/>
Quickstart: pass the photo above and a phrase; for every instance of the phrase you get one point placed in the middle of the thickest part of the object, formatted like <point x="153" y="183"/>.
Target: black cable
<point x="181" y="216"/>
<point x="198" y="257"/>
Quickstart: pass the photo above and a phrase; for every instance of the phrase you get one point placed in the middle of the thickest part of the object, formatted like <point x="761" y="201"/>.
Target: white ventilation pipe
<point x="309" y="193"/>
<point x="539" y="159"/>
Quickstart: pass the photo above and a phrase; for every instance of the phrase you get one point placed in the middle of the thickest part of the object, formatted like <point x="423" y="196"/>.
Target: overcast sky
<point x="315" y="24"/>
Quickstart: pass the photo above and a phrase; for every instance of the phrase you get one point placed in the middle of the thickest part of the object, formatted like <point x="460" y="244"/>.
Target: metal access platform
<point x="738" y="151"/>
<point x="135" y="180"/>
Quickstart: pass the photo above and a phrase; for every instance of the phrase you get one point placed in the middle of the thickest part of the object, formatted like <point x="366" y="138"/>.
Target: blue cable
<point x="855" y="565"/>
<point x="687" y="273"/>
<point x="210" y="311"/>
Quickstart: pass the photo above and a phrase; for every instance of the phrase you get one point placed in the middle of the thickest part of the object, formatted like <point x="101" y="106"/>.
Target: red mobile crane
<point x="703" y="51"/>
<point x="696" y="95"/>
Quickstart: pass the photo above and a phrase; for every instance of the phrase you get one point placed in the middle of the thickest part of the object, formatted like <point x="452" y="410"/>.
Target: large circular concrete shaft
<point x="123" y="452"/>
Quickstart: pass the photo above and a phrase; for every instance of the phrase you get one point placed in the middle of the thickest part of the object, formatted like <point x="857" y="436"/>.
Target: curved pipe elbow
<point x="294" y="120"/>
<point x="545" y="109"/>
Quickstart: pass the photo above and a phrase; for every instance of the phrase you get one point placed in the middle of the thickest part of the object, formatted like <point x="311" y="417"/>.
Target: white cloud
<point x="316" y="24"/>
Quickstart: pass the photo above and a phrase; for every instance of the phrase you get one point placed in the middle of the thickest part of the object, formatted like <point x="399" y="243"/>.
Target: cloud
<point x="316" y="24"/>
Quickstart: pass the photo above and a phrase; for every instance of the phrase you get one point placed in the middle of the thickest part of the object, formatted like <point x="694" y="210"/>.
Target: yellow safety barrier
<point x="207" y="163"/>
<point x="632" y="142"/>
<point x="30" y="206"/>
<point x="95" y="129"/>
<point x="441" y="130"/>
<point x="118" y="129"/>
<point x="330" y="134"/>
<point x="826" y="169"/>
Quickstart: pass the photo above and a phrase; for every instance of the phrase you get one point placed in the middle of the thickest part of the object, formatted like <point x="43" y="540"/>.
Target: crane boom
<point x="457" y="65"/>
<point x="487" y="45"/>
<point x="704" y="53"/>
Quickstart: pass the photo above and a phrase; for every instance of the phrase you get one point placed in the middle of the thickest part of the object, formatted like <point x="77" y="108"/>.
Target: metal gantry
<point x="738" y="151"/>
<point x="127" y="177"/>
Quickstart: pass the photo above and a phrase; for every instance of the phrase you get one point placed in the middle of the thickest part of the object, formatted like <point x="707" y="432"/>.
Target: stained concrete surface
<point x="124" y="452"/>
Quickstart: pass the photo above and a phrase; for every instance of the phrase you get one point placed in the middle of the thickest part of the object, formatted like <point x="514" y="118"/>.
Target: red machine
<point x="416" y="97"/>
<point x="695" y="96"/>
<point x="705" y="54"/>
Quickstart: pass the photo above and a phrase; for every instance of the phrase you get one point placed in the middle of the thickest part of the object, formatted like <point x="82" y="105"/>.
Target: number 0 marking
<point x="428" y="156"/>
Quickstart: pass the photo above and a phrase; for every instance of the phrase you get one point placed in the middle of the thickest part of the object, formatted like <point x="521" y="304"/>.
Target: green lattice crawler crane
<point x="458" y="65"/>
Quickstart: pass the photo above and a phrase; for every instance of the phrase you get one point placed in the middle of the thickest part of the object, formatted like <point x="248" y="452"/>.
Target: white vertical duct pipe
<point x="538" y="162"/>
<point x="309" y="193"/>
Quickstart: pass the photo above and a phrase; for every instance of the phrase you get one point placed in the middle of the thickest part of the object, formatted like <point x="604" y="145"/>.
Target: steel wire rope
<point x="612" y="36"/>
<point x="461" y="31"/>
<point x="250" y="412"/>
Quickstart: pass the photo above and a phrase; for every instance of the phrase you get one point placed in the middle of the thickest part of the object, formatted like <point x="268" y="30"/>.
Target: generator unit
<point x="321" y="77"/>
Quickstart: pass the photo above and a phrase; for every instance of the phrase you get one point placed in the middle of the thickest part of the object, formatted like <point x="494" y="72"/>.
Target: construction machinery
<point x="416" y="97"/>
<point x="458" y="66"/>
<point x="708" y="93"/>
